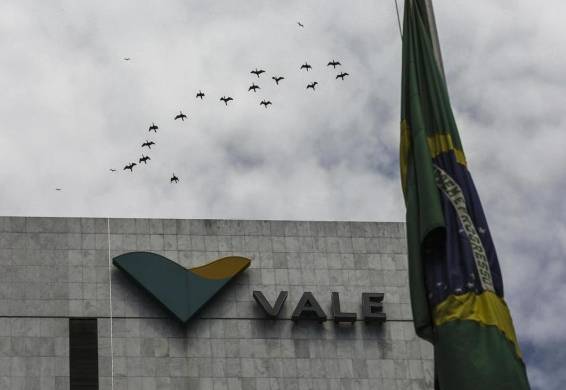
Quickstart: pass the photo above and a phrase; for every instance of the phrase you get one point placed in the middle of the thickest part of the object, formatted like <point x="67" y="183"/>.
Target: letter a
<point x="308" y="308"/>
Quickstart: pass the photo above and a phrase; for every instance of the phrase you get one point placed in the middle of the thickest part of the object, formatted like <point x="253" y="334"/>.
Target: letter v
<point x="272" y="312"/>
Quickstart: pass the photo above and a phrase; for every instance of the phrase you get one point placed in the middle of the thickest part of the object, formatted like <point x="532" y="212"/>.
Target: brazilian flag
<point x="455" y="279"/>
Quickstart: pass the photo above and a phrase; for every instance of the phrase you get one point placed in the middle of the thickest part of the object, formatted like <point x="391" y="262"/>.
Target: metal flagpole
<point x="398" y="19"/>
<point x="434" y="35"/>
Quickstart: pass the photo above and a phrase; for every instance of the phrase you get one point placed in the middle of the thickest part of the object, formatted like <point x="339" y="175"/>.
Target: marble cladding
<point x="55" y="268"/>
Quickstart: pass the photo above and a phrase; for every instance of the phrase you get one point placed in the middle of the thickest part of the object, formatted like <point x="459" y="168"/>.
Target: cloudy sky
<point x="72" y="108"/>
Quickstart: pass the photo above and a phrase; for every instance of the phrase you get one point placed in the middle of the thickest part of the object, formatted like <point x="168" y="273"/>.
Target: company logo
<point x="180" y="290"/>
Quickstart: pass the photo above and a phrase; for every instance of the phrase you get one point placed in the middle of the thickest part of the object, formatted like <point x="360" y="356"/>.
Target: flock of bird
<point x="226" y="99"/>
<point x="147" y="144"/>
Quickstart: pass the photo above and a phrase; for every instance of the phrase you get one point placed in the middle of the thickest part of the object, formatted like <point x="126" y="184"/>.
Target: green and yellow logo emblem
<point x="182" y="291"/>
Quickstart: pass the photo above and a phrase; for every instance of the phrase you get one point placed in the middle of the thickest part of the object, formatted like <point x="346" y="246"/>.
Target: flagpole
<point x="434" y="35"/>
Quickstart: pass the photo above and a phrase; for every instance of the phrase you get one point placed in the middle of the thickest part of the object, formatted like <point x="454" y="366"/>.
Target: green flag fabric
<point x="455" y="280"/>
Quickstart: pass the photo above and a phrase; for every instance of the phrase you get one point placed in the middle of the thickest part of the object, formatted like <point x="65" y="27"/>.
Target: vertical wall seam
<point x="110" y="302"/>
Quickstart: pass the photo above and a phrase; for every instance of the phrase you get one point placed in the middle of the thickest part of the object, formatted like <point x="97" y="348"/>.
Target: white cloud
<point x="71" y="109"/>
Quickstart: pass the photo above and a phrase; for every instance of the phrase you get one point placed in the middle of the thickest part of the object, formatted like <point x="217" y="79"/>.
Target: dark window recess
<point x="83" y="353"/>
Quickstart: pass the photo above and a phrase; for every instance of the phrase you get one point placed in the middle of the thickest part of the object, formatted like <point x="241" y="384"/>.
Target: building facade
<point x="56" y="275"/>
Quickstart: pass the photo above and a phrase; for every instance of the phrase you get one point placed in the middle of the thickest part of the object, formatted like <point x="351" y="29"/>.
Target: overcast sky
<point x="72" y="108"/>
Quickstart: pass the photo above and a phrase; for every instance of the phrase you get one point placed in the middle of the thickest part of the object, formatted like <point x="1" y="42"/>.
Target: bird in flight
<point x="112" y="170"/>
<point x="148" y="144"/>
<point x="200" y="94"/>
<point x="174" y="179"/>
<point x="57" y="189"/>
<point x="342" y="75"/>
<point x="300" y="24"/>
<point x="130" y="166"/>
<point x="257" y="72"/>
<point x="153" y="127"/>
<point x="180" y="116"/>
<point x="127" y="58"/>
<point x="265" y="103"/>
<point x="334" y="63"/>
<point x="312" y="85"/>
<point x="254" y="87"/>
<point x="144" y="159"/>
<point x="278" y="79"/>
<point x="226" y="99"/>
<point x="306" y="66"/>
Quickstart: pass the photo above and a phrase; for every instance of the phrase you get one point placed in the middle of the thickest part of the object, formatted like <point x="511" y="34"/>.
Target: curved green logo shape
<point x="182" y="291"/>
